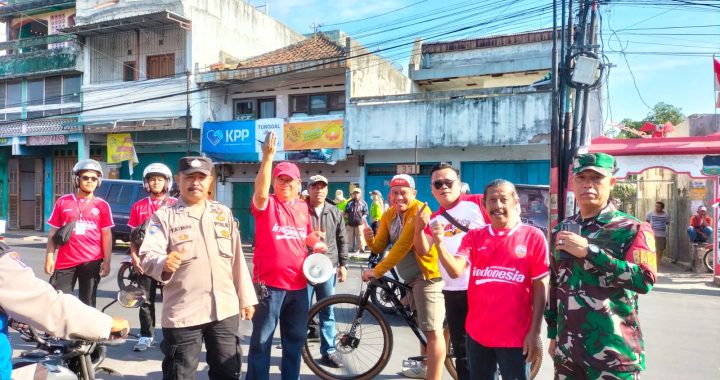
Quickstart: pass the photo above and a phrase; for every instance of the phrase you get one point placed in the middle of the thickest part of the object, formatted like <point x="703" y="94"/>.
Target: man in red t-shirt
<point x="507" y="287"/>
<point x="700" y="230"/>
<point x="86" y="256"/>
<point x="157" y="181"/>
<point x="282" y="225"/>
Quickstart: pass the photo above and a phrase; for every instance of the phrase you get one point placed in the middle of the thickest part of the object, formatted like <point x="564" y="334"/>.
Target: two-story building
<point x="127" y="65"/>
<point x="40" y="95"/>
<point x="304" y="82"/>
<point x="478" y="104"/>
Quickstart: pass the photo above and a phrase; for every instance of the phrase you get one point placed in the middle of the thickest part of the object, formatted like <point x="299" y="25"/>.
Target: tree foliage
<point x="661" y="113"/>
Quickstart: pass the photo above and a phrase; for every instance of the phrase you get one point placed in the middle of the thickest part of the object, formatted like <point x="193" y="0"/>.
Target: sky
<point x="660" y="51"/>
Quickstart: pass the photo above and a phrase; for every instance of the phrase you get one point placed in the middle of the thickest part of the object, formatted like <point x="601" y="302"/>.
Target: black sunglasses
<point x="89" y="178"/>
<point x="445" y="182"/>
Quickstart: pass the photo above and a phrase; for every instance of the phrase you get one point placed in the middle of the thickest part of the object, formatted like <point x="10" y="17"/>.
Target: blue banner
<point x="230" y="141"/>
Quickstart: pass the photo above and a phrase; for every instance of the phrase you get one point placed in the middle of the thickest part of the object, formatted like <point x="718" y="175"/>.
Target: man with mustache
<point x="282" y="228"/>
<point x="508" y="263"/>
<point x="596" y="275"/>
<point x="420" y="272"/>
<point x="193" y="248"/>
<point x="458" y="213"/>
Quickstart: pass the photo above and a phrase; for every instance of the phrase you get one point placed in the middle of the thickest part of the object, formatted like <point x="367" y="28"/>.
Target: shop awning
<point x="146" y="21"/>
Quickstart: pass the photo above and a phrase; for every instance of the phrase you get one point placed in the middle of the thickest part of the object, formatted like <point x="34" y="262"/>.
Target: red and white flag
<point x="716" y="70"/>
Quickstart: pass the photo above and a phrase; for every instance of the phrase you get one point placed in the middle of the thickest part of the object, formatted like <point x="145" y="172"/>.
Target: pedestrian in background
<point x="328" y="221"/>
<point x="508" y="263"/>
<point x="356" y="211"/>
<point x="700" y="230"/>
<point x="377" y="208"/>
<point x="86" y="255"/>
<point x="659" y="220"/>
<point x="157" y="181"/>
<point x="602" y="259"/>
<point x="193" y="249"/>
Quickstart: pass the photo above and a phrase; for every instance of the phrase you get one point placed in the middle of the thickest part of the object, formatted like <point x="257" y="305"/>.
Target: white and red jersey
<point x="85" y="244"/>
<point x="503" y="264"/>
<point x="469" y="212"/>
<point x="280" y="232"/>
<point x="146" y="207"/>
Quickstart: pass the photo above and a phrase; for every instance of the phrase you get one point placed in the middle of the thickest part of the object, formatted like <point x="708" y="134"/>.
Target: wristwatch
<point x="593" y="249"/>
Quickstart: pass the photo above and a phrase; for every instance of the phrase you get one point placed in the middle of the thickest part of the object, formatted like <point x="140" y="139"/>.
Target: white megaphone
<point x="318" y="268"/>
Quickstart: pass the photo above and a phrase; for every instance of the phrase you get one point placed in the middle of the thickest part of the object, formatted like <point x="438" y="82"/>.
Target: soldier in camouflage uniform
<point x="592" y="311"/>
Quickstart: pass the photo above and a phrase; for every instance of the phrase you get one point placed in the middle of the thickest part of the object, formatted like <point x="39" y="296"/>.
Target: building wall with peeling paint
<point x="453" y="119"/>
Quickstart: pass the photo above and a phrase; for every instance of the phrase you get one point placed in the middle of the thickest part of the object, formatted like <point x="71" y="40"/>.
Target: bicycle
<point x="708" y="258"/>
<point x="380" y="297"/>
<point x="363" y="338"/>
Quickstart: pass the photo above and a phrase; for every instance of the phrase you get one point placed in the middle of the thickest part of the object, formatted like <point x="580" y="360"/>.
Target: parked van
<point x="120" y="194"/>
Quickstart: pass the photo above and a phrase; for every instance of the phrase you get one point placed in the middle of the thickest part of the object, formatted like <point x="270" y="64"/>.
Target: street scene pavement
<point x="679" y="319"/>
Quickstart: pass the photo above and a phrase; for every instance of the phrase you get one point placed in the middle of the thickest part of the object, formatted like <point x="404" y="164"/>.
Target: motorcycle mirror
<point x="131" y="297"/>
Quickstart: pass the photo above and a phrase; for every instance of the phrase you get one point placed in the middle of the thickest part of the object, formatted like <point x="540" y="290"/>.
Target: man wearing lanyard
<point x="157" y="181"/>
<point x="86" y="256"/>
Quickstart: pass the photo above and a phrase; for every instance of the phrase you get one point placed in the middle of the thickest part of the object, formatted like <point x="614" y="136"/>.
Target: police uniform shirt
<point x="213" y="281"/>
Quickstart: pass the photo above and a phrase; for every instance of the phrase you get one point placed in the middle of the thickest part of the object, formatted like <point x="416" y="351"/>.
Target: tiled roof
<point x="317" y="47"/>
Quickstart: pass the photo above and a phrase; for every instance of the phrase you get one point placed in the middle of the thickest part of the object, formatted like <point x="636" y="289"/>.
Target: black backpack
<point x="137" y="235"/>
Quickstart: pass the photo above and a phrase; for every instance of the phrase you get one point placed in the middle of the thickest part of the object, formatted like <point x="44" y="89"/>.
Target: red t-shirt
<point x="503" y="265"/>
<point x="85" y="244"/>
<point x="280" y="232"/>
<point x="145" y="208"/>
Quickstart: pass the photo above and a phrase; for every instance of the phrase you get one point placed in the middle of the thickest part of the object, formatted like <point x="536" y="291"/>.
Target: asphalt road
<point x="680" y="320"/>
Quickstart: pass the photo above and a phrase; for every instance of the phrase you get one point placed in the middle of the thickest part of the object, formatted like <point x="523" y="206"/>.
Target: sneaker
<point x="414" y="369"/>
<point x="143" y="344"/>
<point x="331" y="360"/>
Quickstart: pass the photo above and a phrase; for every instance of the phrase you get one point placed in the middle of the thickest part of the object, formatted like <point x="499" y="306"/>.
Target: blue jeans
<point x="696" y="237"/>
<point x="327" y="316"/>
<point x="484" y="362"/>
<point x="290" y="307"/>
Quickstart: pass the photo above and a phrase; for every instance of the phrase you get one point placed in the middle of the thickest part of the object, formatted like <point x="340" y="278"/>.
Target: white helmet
<point x="157" y="168"/>
<point x="84" y="165"/>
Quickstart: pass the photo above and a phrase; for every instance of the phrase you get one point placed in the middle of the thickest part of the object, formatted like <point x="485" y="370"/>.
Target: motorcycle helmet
<point x="155" y="169"/>
<point x="84" y="165"/>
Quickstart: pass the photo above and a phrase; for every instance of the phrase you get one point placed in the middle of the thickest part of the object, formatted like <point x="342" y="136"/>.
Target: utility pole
<point x="188" y="129"/>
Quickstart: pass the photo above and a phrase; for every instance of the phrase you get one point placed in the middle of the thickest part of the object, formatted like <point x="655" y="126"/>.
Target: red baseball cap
<point x="402" y="180"/>
<point x="286" y="168"/>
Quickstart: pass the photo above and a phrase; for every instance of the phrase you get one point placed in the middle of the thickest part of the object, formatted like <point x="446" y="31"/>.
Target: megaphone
<point x="318" y="268"/>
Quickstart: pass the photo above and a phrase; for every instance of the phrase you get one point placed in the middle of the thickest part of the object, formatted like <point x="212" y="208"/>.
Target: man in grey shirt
<point x="659" y="220"/>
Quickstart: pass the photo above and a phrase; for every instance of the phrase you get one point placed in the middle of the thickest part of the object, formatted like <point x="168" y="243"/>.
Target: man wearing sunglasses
<point x="458" y="213"/>
<point x="86" y="255"/>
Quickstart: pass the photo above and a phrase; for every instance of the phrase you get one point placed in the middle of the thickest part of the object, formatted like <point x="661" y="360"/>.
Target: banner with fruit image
<point x="322" y="132"/>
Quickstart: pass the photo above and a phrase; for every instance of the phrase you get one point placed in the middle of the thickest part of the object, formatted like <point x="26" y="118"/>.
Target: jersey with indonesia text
<point x="280" y="232"/>
<point x="503" y="265"/>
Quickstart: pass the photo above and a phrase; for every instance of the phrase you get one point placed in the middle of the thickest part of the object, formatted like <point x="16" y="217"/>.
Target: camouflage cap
<point x="598" y="162"/>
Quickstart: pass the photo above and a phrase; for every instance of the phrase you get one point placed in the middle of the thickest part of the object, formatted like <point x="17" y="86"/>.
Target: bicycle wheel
<point x="708" y="260"/>
<point x="382" y="299"/>
<point x="535" y="365"/>
<point x="363" y="344"/>
<point x="126" y="275"/>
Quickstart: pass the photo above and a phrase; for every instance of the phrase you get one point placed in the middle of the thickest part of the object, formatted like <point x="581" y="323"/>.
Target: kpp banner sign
<point x="229" y="140"/>
<point x="314" y="133"/>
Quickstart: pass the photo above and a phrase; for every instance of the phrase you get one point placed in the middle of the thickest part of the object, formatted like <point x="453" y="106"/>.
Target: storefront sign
<point x="46" y="140"/>
<point x="120" y="148"/>
<point x="314" y="133"/>
<point x="229" y="140"/>
<point x="711" y="165"/>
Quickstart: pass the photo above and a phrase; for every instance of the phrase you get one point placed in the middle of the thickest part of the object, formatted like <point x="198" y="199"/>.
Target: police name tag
<point x="80" y="228"/>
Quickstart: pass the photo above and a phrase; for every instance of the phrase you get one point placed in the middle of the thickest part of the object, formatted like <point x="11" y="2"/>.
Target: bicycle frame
<point x="402" y="310"/>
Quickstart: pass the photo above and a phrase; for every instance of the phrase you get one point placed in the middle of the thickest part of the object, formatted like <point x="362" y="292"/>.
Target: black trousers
<point x="146" y="314"/>
<point x="456" y="309"/>
<point x="182" y="347"/>
<point x="86" y="274"/>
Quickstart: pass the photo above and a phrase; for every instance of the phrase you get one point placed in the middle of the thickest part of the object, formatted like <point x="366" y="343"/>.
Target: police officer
<point x="31" y="300"/>
<point x="193" y="249"/>
<point x="157" y="181"/>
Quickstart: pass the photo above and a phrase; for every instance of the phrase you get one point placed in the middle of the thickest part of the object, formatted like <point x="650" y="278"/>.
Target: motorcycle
<point x="70" y="359"/>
